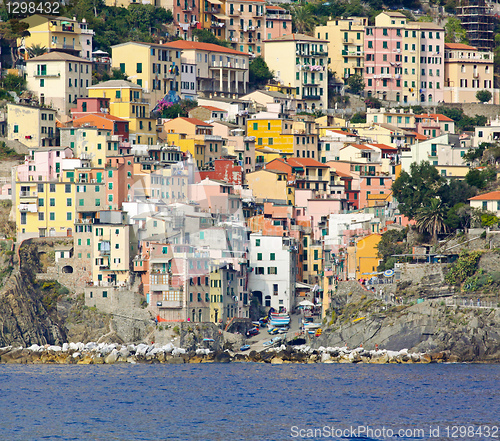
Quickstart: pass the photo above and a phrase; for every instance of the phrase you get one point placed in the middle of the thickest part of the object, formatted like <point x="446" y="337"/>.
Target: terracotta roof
<point x="358" y="146"/>
<point x="382" y="146"/>
<point x="196" y="45"/>
<point x="341" y="132"/>
<point x="342" y="174"/>
<point x="213" y="109"/>
<point x="305" y="162"/>
<point x="491" y="196"/>
<point x="435" y="116"/>
<point x="93" y="118"/>
<point x="420" y="137"/>
<point x="195" y="121"/>
<point x="275" y="8"/>
<point x="460" y="46"/>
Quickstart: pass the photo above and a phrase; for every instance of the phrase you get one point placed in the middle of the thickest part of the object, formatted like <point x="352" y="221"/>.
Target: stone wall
<point x="75" y="281"/>
<point x="421" y="272"/>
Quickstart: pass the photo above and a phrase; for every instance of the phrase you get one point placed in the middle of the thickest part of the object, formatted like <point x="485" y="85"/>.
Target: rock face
<point x="24" y="319"/>
<point x="103" y="353"/>
<point x="472" y="334"/>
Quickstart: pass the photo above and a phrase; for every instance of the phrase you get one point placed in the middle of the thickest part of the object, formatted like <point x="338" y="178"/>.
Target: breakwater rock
<point x="103" y="353"/>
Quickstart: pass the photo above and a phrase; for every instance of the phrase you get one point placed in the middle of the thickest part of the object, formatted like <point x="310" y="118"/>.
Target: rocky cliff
<point x="472" y="334"/>
<point x="24" y="318"/>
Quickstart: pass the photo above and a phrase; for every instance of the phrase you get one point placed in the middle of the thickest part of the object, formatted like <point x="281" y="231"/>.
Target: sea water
<point x="247" y="401"/>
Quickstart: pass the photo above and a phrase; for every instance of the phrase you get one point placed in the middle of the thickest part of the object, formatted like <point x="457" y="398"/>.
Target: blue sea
<point x="249" y="402"/>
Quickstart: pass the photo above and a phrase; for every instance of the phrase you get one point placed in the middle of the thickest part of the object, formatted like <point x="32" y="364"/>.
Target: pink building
<point x="186" y="17"/>
<point x="278" y="22"/>
<point x="43" y="164"/>
<point x="383" y="61"/>
<point x="85" y="106"/>
<point x="373" y="185"/>
<point x="216" y="196"/>
<point x="119" y="180"/>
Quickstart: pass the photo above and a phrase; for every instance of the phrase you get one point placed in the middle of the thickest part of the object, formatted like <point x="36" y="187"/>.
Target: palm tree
<point x="430" y="219"/>
<point x="303" y="20"/>
<point x="36" y="49"/>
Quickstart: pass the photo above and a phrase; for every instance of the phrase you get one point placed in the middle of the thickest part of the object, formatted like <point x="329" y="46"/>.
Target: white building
<point x="58" y="79"/>
<point x="189" y="88"/>
<point x="274" y="269"/>
<point x="444" y="150"/>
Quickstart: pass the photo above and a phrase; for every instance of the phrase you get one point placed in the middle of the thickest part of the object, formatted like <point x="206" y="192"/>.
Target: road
<point x="257" y="342"/>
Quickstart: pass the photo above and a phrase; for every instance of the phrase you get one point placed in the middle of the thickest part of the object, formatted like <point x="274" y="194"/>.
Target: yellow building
<point x="111" y="249"/>
<point x="154" y="67"/>
<point x="33" y="126"/>
<point x="127" y="102"/>
<point x="271" y="132"/>
<point x="46" y="207"/>
<point x="90" y="143"/>
<point x="216" y="297"/>
<point x="313" y="261"/>
<point x="59" y="34"/>
<point x="366" y="256"/>
<point x="300" y="61"/>
<point x="213" y="17"/>
<point x="271" y="185"/>
<point x="467" y="71"/>
<point x="345" y="38"/>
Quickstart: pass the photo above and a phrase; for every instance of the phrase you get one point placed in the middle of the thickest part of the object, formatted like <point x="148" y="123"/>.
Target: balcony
<point x="234" y="12"/>
<point x="104" y="267"/>
<point x="319" y="53"/>
<point x="187" y="8"/>
<point x="47" y="75"/>
<point x="311" y="97"/>
<point x="216" y="24"/>
<point x="278" y="17"/>
<point x="28" y="194"/>
<point x="170" y="304"/>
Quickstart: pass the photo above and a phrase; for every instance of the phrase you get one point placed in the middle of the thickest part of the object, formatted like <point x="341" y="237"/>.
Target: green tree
<point x="416" y="189"/>
<point x="356" y="83"/>
<point x="14" y="83"/>
<point x="431" y="219"/>
<point x="373" y="103"/>
<point x="358" y="118"/>
<point x="259" y="72"/>
<point x="303" y="21"/>
<point x="389" y="244"/>
<point x="455" y="191"/>
<point x="475" y="178"/>
<point x="11" y="31"/>
<point x="36" y="50"/>
<point x="205" y="36"/>
<point x="483" y="96"/>
<point x="454" y="31"/>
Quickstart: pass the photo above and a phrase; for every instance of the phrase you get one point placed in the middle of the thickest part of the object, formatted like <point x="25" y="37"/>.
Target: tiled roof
<point x="435" y="116"/>
<point x="460" y="46"/>
<point x="358" y="146"/>
<point x="213" y="109"/>
<point x="382" y="146"/>
<point x="491" y="196"/>
<point x="305" y="162"/>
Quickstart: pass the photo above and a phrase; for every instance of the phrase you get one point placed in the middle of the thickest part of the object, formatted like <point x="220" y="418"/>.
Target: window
<point x="16" y="128"/>
<point x="272" y="270"/>
<point x="69" y="201"/>
<point x="68" y="216"/>
<point x="272" y="256"/>
<point x="139" y="68"/>
<point x="257" y="241"/>
<point x="52" y="216"/>
<point x="52" y="202"/>
<point x="259" y="256"/>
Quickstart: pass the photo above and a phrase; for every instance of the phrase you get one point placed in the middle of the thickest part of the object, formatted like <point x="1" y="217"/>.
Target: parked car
<point x="251" y="332"/>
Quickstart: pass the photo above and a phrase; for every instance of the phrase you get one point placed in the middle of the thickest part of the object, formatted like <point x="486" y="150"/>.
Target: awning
<point x="303" y="285"/>
<point x="215" y="2"/>
<point x="221" y="16"/>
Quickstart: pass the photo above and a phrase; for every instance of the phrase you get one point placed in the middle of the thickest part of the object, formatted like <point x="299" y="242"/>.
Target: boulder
<point x="112" y="357"/>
